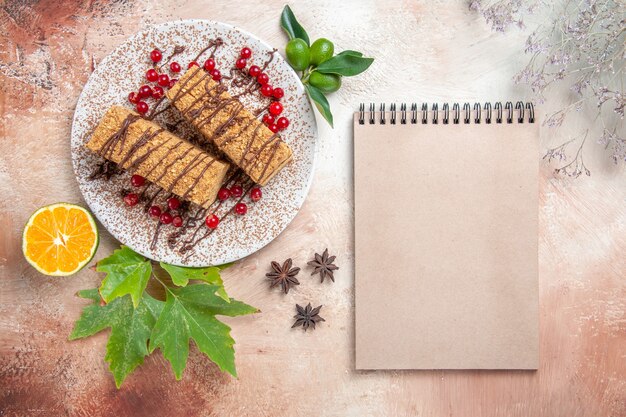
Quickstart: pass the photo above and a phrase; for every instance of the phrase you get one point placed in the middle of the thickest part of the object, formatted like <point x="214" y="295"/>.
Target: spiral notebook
<point x="446" y="237"/>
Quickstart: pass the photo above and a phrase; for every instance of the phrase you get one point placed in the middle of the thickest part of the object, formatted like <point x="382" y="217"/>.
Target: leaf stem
<point x="162" y="283"/>
<point x="306" y="74"/>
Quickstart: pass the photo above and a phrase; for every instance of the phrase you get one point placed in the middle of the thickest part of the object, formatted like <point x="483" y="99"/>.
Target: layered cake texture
<point x="223" y="120"/>
<point x="144" y="148"/>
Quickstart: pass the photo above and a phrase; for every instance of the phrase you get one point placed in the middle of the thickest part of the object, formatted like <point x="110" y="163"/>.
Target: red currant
<point x="256" y="194"/>
<point x="152" y="75"/>
<point x="241" y="208"/>
<point x="216" y="75"/>
<point x="157" y="92"/>
<point x="145" y="91"/>
<point x="241" y="63"/>
<point x="175" y="67"/>
<point x="262" y="78"/>
<point x="273" y="127"/>
<point x="246" y="52"/>
<point x="236" y="191"/>
<point x="173" y="203"/>
<point x="154" y="211"/>
<point x="133" y="97"/>
<point x="137" y="180"/>
<point x="209" y="64"/>
<point x="177" y="221"/>
<point x="266" y="90"/>
<point x="164" y="80"/>
<point x="268" y="119"/>
<point x="156" y="55"/>
<point x="223" y="194"/>
<point x="278" y="93"/>
<point x="192" y="64"/>
<point x="142" y="107"/>
<point x="131" y="199"/>
<point x="173" y="81"/>
<point x="212" y="221"/>
<point x="166" y="218"/>
<point x="276" y="108"/>
<point x="254" y="71"/>
<point x="282" y="123"/>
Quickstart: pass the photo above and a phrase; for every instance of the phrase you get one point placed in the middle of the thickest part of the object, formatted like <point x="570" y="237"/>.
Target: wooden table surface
<point x="431" y="51"/>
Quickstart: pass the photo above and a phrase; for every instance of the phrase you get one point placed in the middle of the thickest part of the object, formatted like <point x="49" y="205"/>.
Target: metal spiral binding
<point x="498" y="108"/>
<point x="488" y="111"/>
<point x="457" y="111"/>
<point x="531" y="112"/>
<point x="468" y="111"/>
<point x="477" y="113"/>
<point x="521" y="111"/>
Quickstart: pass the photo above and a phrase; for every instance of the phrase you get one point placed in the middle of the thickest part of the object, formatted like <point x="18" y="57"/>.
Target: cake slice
<point x="145" y="148"/>
<point x="223" y="120"/>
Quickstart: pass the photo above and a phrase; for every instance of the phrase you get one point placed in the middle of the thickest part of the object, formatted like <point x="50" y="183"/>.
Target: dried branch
<point x="581" y="47"/>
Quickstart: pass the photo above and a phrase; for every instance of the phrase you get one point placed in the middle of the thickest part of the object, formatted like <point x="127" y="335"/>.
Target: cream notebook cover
<point x="446" y="239"/>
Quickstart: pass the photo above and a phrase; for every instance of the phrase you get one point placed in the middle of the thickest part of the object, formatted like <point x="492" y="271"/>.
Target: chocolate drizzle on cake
<point x="214" y="102"/>
<point x="193" y="230"/>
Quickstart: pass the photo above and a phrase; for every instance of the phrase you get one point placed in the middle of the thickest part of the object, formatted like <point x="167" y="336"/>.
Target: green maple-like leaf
<point x="211" y="275"/>
<point x="189" y="313"/>
<point x="130" y="329"/>
<point x="127" y="273"/>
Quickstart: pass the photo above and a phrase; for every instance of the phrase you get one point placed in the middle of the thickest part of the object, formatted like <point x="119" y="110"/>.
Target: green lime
<point x="321" y="50"/>
<point x="298" y="54"/>
<point x="327" y="83"/>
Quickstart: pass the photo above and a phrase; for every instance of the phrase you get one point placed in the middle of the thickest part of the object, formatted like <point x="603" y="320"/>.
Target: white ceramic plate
<point x="123" y="71"/>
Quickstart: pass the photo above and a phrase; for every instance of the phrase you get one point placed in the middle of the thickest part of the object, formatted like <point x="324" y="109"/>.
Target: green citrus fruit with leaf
<point x="321" y="50"/>
<point x="298" y="54"/>
<point x="327" y="83"/>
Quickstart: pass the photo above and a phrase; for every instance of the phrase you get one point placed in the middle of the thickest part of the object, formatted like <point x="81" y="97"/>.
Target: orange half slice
<point x="60" y="239"/>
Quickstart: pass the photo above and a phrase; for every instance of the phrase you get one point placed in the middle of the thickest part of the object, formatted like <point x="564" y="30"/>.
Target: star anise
<point x="284" y="275"/>
<point x="324" y="265"/>
<point x="307" y="316"/>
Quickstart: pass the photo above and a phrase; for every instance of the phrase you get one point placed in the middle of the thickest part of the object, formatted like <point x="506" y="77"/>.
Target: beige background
<point x="426" y="51"/>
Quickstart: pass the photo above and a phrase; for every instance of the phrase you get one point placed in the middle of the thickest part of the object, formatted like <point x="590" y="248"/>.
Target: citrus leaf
<point x="320" y="102"/>
<point x="291" y="25"/>
<point x="346" y="64"/>
<point x="189" y="313"/>
<point x="211" y="275"/>
<point x="130" y="329"/>
<point x="350" y="52"/>
<point x="127" y="272"/>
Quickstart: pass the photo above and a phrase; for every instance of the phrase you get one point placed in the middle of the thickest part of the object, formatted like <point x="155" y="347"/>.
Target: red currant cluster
<point x="155" y="91"/>
<point x="209" y="66"/>
<point x="166" y="216"/>
<point x="236" y="191"/>
<point x="273" y="122"/>
<point x="169" y="215"/>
